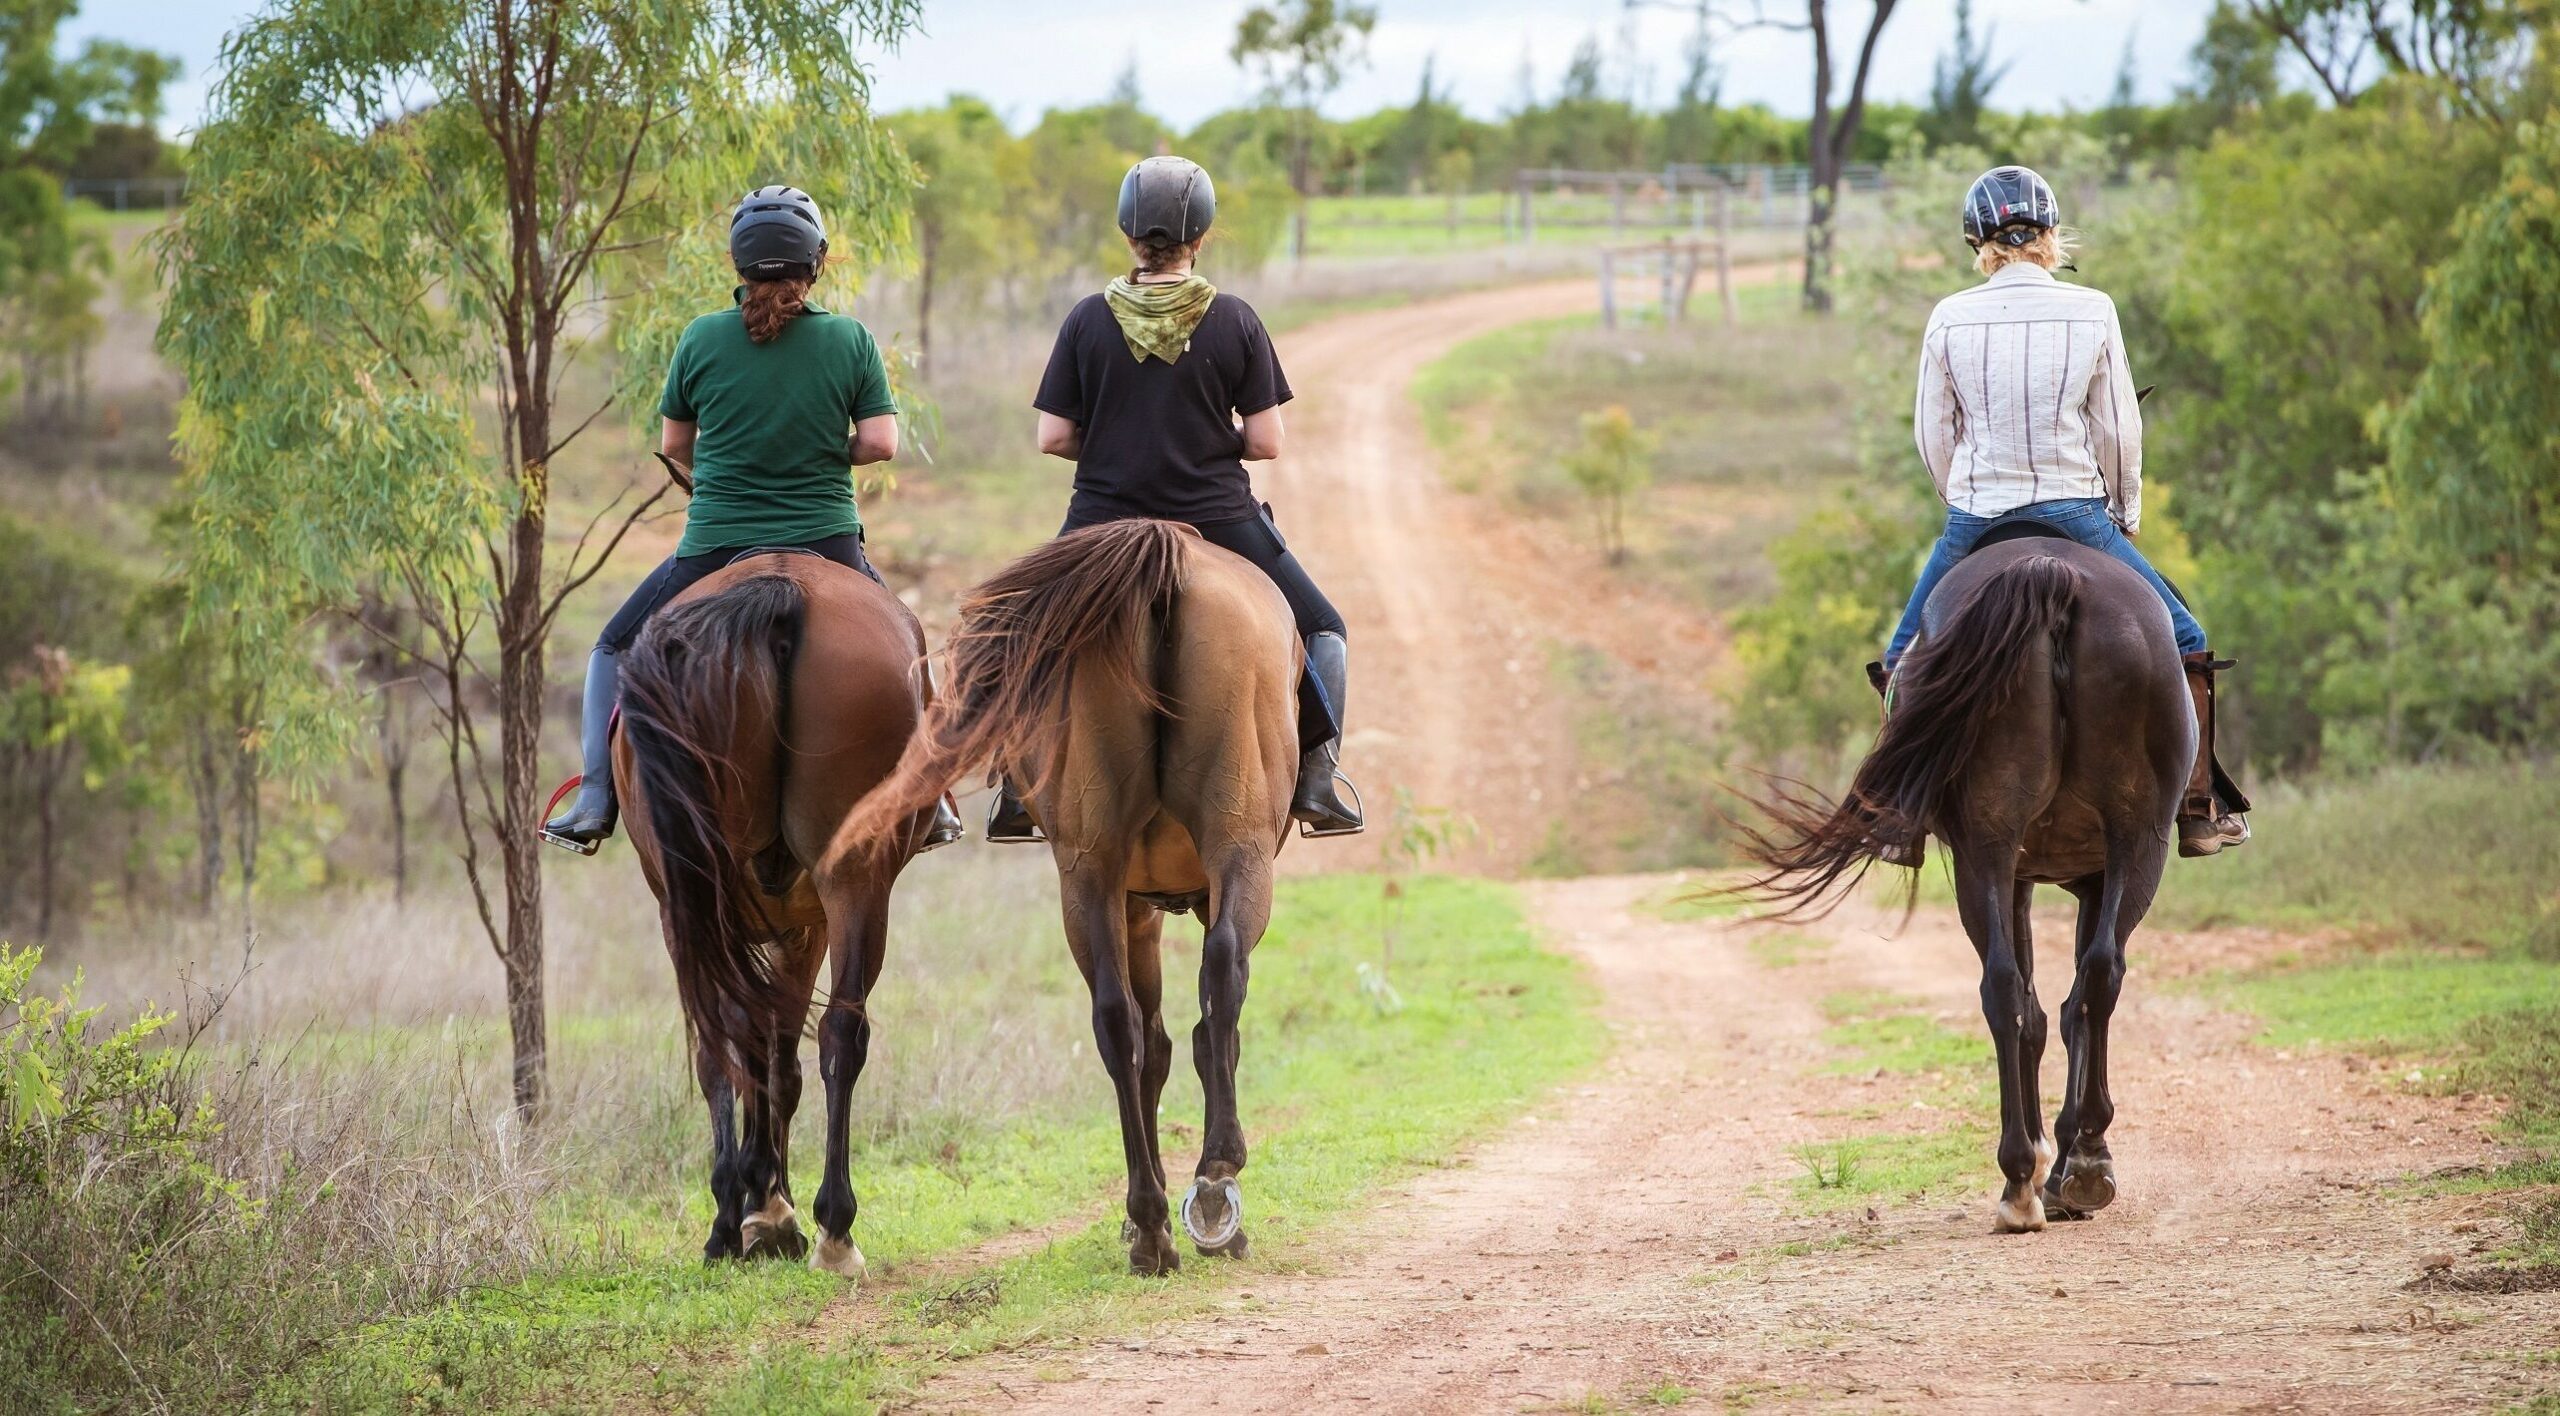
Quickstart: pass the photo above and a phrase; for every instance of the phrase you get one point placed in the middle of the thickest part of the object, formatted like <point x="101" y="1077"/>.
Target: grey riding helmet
<point x="777" y="233"/>
<point x="2010" y="205"/>
<point x="1167" y="199"/>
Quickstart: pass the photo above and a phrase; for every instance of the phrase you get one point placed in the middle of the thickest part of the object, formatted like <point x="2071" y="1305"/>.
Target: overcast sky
<point x="1027" y="55"/>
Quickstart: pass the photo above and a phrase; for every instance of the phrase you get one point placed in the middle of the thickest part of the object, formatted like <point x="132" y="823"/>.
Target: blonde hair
<point x="2050" y="249"/>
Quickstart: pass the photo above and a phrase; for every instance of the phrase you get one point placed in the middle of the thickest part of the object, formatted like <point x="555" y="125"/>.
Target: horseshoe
<point x="1235" y="1214"/>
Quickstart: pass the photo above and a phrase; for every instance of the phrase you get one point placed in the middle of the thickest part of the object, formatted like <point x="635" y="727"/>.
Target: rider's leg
<point x="2209" y="810"/>
<point x="1963" y="529"/>
<point x="1318" y="801"/>
<point x="591" y="813"/>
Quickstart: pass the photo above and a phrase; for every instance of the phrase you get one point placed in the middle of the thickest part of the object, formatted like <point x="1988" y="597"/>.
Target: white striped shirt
<point x="2025" y="397"/>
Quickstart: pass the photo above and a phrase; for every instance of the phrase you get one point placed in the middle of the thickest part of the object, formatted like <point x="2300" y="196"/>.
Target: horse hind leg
<point x="857" y="938"/>
<point x="1985" y="892"/>
<point x="1213" y="1211"/>
<point x="2031" y="1032"/>
<point x="1095" y="904"/>
<point x="772" y="1229"/>
<point x="2109" y="914"/>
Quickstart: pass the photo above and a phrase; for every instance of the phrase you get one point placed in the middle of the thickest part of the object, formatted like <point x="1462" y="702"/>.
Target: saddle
<point x="2022" y="529"/>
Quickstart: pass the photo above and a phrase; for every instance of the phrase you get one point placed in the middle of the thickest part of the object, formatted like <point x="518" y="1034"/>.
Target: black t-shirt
<point x="1160" y="439"/>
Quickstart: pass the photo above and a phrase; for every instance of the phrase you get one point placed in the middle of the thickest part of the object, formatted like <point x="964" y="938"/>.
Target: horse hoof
<point x="1154" y="1256"/>
<point x="838" y="1257"/>
<point x="772" y="1232"/>
<point x="1213" y="1215"/>
<point x="2055" y="1211"/>
<point x="2088" y="1189"/>
<point x="2021" y="1216"/>
<point x="721" y="1247"/>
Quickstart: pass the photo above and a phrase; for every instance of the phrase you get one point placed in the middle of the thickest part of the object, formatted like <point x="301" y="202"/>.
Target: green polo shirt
<point x="769" y="465"/>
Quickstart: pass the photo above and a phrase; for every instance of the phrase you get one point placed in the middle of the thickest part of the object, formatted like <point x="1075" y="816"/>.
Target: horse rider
<point x="1159" y="390"/>
<point x="758" y="402"/>
<point x="2027" y="412"/>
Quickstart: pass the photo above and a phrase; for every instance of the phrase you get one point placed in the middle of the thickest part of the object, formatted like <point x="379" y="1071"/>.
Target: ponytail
<point x="768" y="305"/>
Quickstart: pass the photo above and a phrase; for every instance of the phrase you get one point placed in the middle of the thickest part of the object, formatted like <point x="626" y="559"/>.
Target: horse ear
<point x="2142" y="393"/>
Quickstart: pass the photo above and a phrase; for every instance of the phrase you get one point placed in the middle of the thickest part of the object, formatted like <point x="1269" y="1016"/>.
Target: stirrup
<point x="567" y="843"/>
<point x="1308" y="830"/>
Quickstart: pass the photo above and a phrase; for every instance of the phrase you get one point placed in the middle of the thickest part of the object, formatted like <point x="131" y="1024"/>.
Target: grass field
<point x="984" y="1114"/>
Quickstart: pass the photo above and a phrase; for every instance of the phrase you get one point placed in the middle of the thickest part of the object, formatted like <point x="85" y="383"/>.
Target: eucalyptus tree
<point x="1832" y="133"/>
<point x="408" y="218"/>
<point x="1302" y="48"/>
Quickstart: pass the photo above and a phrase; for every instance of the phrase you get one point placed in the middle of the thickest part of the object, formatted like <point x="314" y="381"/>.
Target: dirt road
<point x="1447" y="686"/>
<point x="1648" y="1232"/>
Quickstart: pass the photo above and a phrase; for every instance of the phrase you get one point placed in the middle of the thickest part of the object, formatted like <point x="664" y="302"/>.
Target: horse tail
<point x="694" y="672"/>
<point x="1944" y="693"/>
<point x="1082" y="604"/>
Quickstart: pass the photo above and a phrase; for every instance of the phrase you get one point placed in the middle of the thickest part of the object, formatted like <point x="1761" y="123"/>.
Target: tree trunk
<point x="924" y="305"/>
<point x="48" y="846"/>
<point x="1817" y="246"/>
<point x="204" y="777"/>
<point x="395" y="781"/>
<point x="247" y="824"/>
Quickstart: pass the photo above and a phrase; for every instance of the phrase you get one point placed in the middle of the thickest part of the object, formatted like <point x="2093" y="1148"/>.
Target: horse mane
<point x="683" y="682"/>
<point x="1947" y="689"/>
<point x="1080" y="604"/>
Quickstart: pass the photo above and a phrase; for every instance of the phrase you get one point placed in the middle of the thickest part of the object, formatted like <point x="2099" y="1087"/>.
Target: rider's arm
<point x="675" y="439"/>
<point x="2115" y="426"/>
<point x="1933" y="414"/>
<point x="875" y="439"/>
<point x="1262" y="433"/>
<point x="1060" y="437"/>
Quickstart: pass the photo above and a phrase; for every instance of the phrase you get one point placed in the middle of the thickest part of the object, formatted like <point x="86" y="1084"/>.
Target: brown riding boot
<point x="2209" y="810"/>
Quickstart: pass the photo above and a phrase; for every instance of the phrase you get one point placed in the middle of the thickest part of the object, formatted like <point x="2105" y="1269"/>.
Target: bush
<point x="175" y="1236"/>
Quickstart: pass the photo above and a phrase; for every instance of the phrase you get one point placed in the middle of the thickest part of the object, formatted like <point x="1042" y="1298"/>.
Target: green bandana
<point x="1159" y="319"/>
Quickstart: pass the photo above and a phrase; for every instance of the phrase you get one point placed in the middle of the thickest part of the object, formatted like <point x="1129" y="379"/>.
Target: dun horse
<point x="756" y="710"/>
<point x="2041" y="729"/>
<point x="1142" y="682"/>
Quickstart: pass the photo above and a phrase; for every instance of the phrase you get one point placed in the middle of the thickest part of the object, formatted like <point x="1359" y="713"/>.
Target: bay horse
<point x="1144" y="684"/>
<point x="2041" y="729"/>
<point x="757" y="708"/>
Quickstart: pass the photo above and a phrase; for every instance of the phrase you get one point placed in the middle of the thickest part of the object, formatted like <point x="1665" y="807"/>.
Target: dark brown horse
<point x="1143" y="682"/>
<point x="756" y="710"/>
<point x="2041" y="729"/>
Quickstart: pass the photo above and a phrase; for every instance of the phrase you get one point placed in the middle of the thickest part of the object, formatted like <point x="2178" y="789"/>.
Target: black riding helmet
<point x="777" y="233"/>
<point x="2011" y="205"/>
<point x="1167" y="198"/>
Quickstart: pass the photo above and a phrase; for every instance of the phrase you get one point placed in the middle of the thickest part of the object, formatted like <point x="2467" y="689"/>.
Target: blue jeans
<point x="2083" y="520"/>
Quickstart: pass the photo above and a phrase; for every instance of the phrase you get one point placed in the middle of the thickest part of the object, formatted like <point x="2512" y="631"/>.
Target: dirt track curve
<point x="1637" y="1230"/>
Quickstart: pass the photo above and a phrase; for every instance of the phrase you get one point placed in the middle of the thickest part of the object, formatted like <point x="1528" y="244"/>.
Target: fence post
<point x="1667" y="312"/>
<point x="1617" y="209"/>
<point x="1608" y="289"/>
<point x="1528" y="213"/>
<point x="1724" y="252"/>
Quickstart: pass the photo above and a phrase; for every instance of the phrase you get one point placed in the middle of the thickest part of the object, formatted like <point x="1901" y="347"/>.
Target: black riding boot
<point x="1318" y="803"/>
<point x="1009" y="822"/>
<point x="946" y="827"/>
<point x="591" y="812"/>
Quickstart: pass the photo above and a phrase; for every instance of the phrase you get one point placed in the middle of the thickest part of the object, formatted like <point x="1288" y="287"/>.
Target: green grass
<point x="1490" y="1021"/>
<point x="2426" y="856"/>
<point x="1893" y="1168"/>
<point x="2442" y="882"/>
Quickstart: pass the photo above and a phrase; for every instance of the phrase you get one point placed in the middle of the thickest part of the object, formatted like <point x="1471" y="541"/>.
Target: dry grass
<point x="357" y="1058"/>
